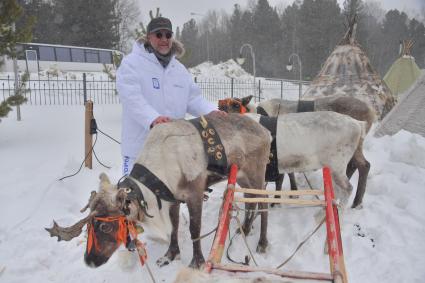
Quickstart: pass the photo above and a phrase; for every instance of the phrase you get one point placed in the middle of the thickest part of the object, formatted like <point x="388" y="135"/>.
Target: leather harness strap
<point x="305" y="106"/>
<point x="150" y="181"/>
<point x="272" y="172"/>
<point x="217" y="162"/>
<point x="262" y="111"/>
<point x="214" y="149"/>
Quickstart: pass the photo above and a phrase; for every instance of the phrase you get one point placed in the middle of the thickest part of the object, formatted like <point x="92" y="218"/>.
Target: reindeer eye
<point x="105" y="228"/>
<point x="127" y="190"/>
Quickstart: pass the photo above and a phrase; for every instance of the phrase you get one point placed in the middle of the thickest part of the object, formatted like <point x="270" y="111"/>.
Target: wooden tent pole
<point x="88" y="139"/>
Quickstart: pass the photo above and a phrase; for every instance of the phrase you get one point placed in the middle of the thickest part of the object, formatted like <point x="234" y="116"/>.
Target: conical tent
<point x="348" y="71"/>
<point x="408" y="114"/>
<point x="403" y="72"/>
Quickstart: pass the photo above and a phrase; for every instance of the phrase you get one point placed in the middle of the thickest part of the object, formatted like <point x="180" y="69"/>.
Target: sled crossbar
<point x="283" y="201"/>
<point x="299" y="192"/>
<point x="338" y="273"/>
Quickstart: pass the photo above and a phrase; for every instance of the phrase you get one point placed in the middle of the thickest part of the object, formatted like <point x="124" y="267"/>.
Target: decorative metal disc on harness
<point x="214" y="149"/>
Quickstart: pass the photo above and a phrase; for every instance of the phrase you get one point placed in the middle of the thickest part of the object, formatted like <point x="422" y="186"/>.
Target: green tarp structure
<point x="402" y="74"/>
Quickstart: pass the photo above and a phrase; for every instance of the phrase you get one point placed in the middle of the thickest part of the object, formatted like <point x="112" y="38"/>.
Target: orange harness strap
<point x="124" y="227"/>
<point x="120" y="236"/>
<point x="141" y="250"/>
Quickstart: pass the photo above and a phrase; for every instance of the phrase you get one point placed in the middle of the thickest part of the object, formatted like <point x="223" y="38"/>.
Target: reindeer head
<point x="235" y="105"/>
<point x="111" y="215"/>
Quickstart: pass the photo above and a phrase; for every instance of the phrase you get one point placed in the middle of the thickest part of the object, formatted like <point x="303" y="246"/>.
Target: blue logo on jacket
<point x="155" y="83"/>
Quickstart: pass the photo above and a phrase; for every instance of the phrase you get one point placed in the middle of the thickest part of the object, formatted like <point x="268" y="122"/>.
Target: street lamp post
<point x="289" y="68"/>
<point x="240" y="60"/>
<point x="207" y="32"/>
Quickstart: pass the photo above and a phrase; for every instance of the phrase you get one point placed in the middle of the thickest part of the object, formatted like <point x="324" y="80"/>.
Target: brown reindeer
<point x="346" y="105"/>
<point x="174" y="153"/>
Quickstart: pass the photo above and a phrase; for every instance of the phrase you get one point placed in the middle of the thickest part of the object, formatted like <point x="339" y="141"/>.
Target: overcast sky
<point x="179" y="10"/>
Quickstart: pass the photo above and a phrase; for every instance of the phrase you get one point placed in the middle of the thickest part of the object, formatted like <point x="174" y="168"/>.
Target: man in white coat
<point x="155" y="88"/>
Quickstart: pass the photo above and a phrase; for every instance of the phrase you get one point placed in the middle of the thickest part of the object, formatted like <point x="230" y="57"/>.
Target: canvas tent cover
<point x="402" y="74"/>
<point x="409" y="112"/>
<point x="348" y="71"/>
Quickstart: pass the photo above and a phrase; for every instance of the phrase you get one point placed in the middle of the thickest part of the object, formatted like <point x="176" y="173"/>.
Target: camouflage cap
<point x="158" y="24"/>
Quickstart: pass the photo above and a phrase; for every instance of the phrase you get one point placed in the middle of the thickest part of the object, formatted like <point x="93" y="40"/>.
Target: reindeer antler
<point x="68" y="233"/>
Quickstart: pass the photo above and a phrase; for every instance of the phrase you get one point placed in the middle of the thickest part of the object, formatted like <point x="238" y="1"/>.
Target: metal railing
<point x="55" y="90"/>
<point x="215" y="89"/>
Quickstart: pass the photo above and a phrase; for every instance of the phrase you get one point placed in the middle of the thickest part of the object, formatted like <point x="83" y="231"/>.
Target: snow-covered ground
<point x="383" y="241"/>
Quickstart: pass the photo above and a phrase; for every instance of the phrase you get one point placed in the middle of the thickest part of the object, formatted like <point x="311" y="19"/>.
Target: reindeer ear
<point x="104" y="180"/>
<point x="246" y="100"/>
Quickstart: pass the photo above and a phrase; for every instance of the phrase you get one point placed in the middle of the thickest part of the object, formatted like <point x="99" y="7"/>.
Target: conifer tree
<point x="10" y="11"/>
<point x="44" y="29"/>
<point x="90" y="23"/>
<point x="189" y="37"/>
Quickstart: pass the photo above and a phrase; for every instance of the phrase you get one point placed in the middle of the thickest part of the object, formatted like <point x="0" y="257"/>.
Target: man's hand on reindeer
<point x="160" y="120"/>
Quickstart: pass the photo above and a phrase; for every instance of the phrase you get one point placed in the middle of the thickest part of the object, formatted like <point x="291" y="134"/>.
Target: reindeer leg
<point x="292" y="181"/>
<point x="256" y="181"/>
<point x="364" y="166"/>
<point x="249" y="216"/>
<point x="194" y="205"/>
<point x="249" y="207"/>
<point x="263" y="242"/>
<point x="279" y="183"/>
<point x="173" y="249"/>
<point x="351" y="168"/>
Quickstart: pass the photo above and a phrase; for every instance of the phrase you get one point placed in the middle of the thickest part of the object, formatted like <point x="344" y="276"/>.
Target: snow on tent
<point x="403" y="72"/>
<point x="408" y="114"/>
<point x="348" y="71"/>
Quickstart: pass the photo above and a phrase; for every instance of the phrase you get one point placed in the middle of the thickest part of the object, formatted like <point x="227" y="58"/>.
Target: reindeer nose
<point x="94" y="260"/>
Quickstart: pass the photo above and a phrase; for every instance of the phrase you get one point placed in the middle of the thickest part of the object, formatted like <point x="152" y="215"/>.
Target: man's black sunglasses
<point x="167" y="35"/>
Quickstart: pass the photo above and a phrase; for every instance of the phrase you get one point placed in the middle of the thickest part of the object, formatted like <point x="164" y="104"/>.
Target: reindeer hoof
<point x="245" y="230"/>
<point x="197" y="263"/>
<point x="162" y="261"/>
<point x="170" y="255"/>
<point x="357" y="205"/>
<point x="166" y="260"/>
<point x="262" y="247"/>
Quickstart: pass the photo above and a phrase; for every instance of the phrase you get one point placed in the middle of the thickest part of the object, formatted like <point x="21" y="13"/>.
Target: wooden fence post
<point x="88" y="139"/>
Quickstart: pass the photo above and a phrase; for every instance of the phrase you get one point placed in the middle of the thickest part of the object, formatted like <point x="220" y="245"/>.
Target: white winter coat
<point x="148" y="90"/>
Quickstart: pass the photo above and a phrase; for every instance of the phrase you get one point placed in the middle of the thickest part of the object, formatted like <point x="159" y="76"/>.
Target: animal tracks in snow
<point x="359" y="232"/>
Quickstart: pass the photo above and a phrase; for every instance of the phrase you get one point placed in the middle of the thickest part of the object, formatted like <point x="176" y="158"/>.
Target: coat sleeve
<point x="197" y="105"/>
<point x="132" y="98"/>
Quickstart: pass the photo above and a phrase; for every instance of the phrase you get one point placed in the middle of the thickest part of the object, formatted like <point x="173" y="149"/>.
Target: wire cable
<point x="81" y="166"/>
